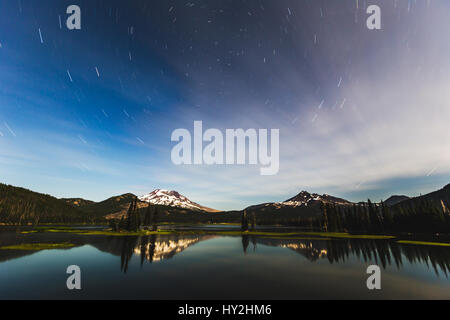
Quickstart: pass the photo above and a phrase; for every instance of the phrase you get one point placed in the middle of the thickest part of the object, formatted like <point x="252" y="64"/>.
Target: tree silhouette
<point x="244" y="224"/>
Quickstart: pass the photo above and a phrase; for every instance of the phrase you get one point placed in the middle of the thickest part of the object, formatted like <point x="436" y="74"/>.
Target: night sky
<point x="89" y="113"/>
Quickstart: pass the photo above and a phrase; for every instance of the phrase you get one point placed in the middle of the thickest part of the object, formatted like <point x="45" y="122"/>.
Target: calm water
<point x="216" y="267"/>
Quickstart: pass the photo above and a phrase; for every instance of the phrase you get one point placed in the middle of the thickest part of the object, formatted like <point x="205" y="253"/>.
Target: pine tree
<point x="325" y="217"/>
<point x="155" y="219"/>
<point x="128" y="220"/>
<point x="148" y="216"/>
<point x="244" y="224"/>
<point x="444" y="208"/>
<point x="136" y="221"/>
<point x="122" y="223"/>
<point x="253" y="221"/>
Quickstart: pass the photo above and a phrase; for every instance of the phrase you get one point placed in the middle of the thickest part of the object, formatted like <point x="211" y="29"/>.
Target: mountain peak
<point x="168" y="192"/>
<point x="393" y="200"/>
<point x="304" y="197"/>
<point x="172" y="198"/>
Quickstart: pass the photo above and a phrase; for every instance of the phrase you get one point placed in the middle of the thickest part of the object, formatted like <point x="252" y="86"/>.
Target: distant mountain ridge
<point x="393" y="200"/>
<point x="304" y="197"/>
<point x="436" y="197"/>
<point x="303" y="205"/>
<point x="77" y="202"/>
<point x="307" y="205"/>
<point x="19" y="205"/>
<point x="117" y="205"/>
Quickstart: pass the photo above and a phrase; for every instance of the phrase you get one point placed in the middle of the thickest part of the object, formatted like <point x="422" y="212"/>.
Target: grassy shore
<point x="196" y="232"/>
<point x="38" y="246"/>
<point x="424" y="243"/>
<point x="284" y="235"/>
<point x="105" y="232"/>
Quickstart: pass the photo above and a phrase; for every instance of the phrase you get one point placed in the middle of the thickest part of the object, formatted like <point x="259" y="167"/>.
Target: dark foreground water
<point x="218" y="267"/>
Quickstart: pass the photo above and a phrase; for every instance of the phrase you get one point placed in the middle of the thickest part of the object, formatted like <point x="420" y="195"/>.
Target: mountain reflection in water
<point x="381" y="252"/>
<point x="156" y="248"/>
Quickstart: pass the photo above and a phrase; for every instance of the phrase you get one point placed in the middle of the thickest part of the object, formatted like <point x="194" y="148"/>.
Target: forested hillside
<point x="22" y="206"/>
<point x="106" y="207"/>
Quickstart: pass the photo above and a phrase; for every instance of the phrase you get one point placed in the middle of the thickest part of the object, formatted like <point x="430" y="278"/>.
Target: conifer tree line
<point x="19" y="206"/>
<point x="135" y="219"/>
<point x="420" y="217"/>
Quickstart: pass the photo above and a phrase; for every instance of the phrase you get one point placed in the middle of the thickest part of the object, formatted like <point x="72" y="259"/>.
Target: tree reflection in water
<point x="155" y="248"/>
<point x="382" y="252"/>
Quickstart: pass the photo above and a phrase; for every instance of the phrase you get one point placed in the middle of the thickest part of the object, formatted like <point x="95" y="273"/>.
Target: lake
<point x="220" y="267"/>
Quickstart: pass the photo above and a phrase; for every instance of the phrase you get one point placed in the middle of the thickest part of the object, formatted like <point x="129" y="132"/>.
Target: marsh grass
<point x="38" y="246"/>
<point x="284" y="235"/>
<point x="106" y="232"/>
<point x="297" y="238"/>
<point x="424" y="243"/>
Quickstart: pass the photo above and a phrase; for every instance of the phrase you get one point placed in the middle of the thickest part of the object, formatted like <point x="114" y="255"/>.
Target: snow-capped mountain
<point x="305" y="204"/>
<point x="305" y="198"/>
<point x="172" y="198"/>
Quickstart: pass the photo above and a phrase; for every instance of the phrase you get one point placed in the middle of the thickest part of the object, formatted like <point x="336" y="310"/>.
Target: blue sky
<point x="361" y="113"/>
